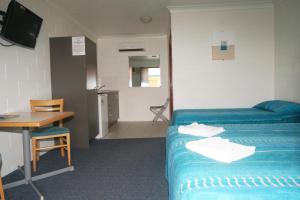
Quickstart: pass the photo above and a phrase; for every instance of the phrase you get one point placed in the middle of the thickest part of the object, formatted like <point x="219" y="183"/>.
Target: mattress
<point x="273" y="172"/>
<point x="231" y="116"/>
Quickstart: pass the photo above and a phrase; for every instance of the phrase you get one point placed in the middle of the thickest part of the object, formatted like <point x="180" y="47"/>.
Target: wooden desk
<point x="27" y="120"/>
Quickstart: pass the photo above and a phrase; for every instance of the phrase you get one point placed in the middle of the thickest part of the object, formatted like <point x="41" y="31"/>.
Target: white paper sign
<point x="78" y="46"/>
<point x="218" y="37"/>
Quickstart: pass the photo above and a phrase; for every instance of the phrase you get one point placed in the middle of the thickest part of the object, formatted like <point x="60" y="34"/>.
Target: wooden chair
<point x="55" y="132"/>
<point x="2" y="197"/>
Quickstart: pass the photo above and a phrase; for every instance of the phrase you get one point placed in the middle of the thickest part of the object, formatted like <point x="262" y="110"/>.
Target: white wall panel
<point x="199" y="81"/>
<point x="113" y="70"/>
<point x="287" y="50"/>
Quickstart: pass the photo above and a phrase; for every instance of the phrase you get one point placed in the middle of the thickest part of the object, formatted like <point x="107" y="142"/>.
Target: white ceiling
<point x="121" y="17"/>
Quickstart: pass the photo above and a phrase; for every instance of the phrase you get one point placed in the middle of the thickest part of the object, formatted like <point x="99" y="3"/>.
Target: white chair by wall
<point x="159" y="110"/>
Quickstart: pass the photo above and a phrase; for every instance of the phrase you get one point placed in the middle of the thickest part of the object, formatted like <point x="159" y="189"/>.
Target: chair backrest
<point x="166" y="103"/>
<point x="53" y="105"/>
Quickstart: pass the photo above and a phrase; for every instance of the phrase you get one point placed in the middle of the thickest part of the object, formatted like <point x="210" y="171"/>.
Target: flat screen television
<point x="20" y="25"/>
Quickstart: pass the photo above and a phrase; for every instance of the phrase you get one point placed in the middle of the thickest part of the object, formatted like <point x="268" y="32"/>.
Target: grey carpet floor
<point x="129" y="169"/>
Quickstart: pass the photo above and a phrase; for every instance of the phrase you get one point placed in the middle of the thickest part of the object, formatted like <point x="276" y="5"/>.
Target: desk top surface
<point x="33" y="119"/>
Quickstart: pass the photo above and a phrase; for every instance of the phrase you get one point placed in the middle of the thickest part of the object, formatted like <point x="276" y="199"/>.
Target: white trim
<point x="220" y="6"/>
<point x="159" y="35"/>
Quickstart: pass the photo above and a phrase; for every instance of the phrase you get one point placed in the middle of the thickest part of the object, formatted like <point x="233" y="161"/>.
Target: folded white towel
<point x="200" y="130"/>
<point x="219" y="149"/>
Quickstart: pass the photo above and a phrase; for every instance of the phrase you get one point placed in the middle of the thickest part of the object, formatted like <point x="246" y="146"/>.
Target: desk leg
<point x="27" y="161"/>
<point x="27" y="168"/>
<point x="27" y="154"/>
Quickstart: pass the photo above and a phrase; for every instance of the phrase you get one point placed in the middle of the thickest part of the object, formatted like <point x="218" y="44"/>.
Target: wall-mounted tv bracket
<point x="2" y="13"/>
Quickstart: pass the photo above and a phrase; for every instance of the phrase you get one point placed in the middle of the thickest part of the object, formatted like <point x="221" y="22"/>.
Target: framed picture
<point x="223" y="47"/>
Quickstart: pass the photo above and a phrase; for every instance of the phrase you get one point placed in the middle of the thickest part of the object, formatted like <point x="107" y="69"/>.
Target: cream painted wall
<point x="287" y="50"/>
<point x="200" y="82"/>
<point x="113" y="70"/>
<point x="25" y="73"/>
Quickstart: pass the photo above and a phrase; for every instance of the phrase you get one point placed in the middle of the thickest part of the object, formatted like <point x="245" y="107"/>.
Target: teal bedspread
<point x="272" y="173"/>
<point x="231" y="116"/>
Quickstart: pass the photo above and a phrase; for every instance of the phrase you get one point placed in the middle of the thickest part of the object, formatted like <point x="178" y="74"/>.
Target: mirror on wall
<point x="144" y="71"/>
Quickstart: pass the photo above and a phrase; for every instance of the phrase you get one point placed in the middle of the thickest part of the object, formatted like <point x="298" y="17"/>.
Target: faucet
<point x="99" y="87"/>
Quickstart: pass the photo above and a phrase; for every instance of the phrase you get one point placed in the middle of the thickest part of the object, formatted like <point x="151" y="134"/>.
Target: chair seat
<point x="47" y="131"/>
<point x="156" y="107"/>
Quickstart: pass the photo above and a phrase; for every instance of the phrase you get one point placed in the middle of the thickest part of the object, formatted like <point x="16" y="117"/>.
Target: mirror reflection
<point x="144" y="71"/>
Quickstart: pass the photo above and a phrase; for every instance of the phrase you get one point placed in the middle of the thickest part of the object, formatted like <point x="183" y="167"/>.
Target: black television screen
<point x="20" y="25"/>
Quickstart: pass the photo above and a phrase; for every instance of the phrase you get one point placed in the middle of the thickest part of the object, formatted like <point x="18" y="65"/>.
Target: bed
<point x="273" y="172"/>
<point x="275" y="111"/>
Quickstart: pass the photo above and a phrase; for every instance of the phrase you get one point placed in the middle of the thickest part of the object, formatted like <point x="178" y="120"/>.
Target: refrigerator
<point x="74" y="78"/>
<point x="103" y="116"/>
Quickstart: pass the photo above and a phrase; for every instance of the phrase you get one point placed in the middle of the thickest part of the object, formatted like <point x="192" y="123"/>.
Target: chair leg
<point x="1" y="189"/>
<point x="156" y="117"/>
<point x="69" y="149"/>
<point x="153" y="120"/>
<point x="34" y="154"/>
<point x="164" y="118"/>
<point x="37" y="151"/>
<point x="62" y="150"/>
<point x="160" y="115"/>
